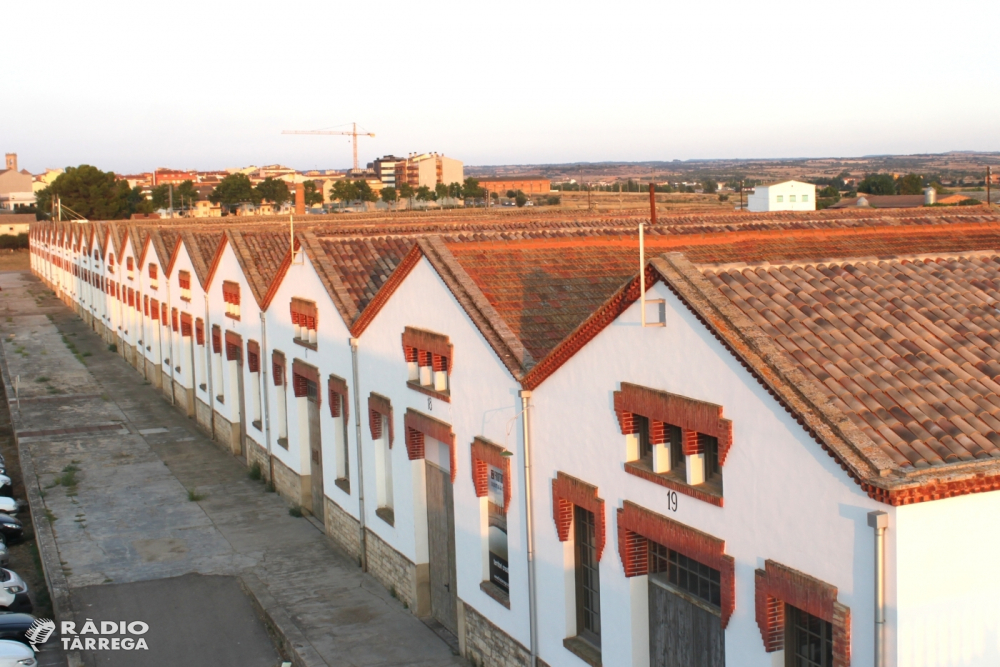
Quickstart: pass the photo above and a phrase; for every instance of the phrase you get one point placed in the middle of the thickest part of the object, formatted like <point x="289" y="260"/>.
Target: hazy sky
<point x="131" y="86"/>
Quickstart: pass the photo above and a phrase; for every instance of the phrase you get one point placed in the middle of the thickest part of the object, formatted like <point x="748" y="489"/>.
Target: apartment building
<point x="429" y="169"/>
<point x="561" y="463"/>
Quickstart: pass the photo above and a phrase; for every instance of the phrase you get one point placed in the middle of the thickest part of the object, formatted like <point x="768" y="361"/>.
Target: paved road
<point x="175" y="610"/>
<point x="128" y="517"/>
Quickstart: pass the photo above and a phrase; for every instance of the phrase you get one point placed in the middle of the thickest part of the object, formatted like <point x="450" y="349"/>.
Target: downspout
<point x="170" y="343"/>
<point x="529" y="525"/>
<point x="879" y="520"/>
<point x="361" y="476"/>
<point x="210" y="365"/>
<point x="264" y="365"/>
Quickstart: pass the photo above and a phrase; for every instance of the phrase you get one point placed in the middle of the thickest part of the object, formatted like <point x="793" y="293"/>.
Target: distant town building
<point x="529" y="185"/>
<point x="385" y="169"/>
<point x="429" y="169"/>
<point x="174" y="176"/>
<point x="784" y="196"/>
<point x="14" y="224"/>
<point x="16" y="187"/>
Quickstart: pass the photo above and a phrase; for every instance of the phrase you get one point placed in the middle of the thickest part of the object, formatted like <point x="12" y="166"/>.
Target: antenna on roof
<point x="291" y="240"/>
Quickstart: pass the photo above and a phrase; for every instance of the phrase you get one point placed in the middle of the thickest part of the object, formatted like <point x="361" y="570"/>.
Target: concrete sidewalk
<point x="127" y="516"/>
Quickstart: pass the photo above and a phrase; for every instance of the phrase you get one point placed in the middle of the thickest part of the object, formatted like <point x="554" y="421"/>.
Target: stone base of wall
<point x="128" y="353"/>
<point x="203" y="416"/>
<point x="257" y="453"/>
<point x="184" y="399"/>
<point x="224" y="430"/>
<point x="166" y="383"/>
<point x="487" y="645"/>
<point x="288" y="483"/>
<point x="395" y="571"/>
<point x="343" y="528"/>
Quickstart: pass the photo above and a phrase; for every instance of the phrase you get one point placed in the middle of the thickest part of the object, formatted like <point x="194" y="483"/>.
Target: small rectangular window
<point x="805" y="199"/>
<point x="781" y="198"/>
<point x="686" y="573"/>
<point x="642" y="433"/>
<point x="791" y="199"/>
<point x="808" y="639"/>
<point x="231" y="295"/>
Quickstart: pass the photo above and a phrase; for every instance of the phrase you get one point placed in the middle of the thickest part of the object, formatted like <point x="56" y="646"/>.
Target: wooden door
<point x="315" y="452"/>
<point x="441" y="546"/>
<point x="683" y="632"/>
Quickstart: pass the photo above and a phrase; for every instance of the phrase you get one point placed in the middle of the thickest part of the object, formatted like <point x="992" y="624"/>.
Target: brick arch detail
<point x="661" y="406"/>
<point x="568" y="491"/>
<point x="777" y="585"/>
<point x="418" y="425"/>
<point x="485" y="454"/>
<point x="379" y="405"/>
<point x="637" y="526"/>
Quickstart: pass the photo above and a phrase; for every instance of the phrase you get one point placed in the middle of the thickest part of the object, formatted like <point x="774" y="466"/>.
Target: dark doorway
<point x="441" y="546"/>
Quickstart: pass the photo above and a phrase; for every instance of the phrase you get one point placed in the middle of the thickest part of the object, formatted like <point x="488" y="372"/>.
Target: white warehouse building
<point x="784" y="196"/>
<point x="795" y="462"/>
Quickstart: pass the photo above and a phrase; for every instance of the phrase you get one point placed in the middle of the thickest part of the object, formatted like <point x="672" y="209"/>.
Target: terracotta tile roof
<point x="164" y="242"/>
<point x="365" y="264"/>
<point x="261" y="256"/>
<point x="908" y="350"/>
<point x="202" y="247"/>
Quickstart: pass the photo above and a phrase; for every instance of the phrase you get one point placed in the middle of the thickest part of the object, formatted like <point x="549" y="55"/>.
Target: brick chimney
<point x="300" y="199"/>
<point x="12" y="161"/>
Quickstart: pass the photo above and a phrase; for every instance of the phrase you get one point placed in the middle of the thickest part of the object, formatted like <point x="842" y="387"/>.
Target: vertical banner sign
<point x="498" y="531"/>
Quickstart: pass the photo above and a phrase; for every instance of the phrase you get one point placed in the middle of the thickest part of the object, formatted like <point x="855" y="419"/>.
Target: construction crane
<point x="354" y="134"/>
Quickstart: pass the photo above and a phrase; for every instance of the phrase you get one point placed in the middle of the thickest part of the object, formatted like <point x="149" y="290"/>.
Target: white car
<point x="16" y="654"/>
<point x="9" y="505"/>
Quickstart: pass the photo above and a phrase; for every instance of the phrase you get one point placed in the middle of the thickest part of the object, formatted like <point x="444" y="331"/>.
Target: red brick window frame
<point x="152" y="307"/>
<point x="175" y="320"/>
<point x="568" y="491"/>
<point x="153" y="273"/>
<point x="379" y="406"/>
<point x="186" y="327"/>
<point x="339" y="406"/>
<point x="234" y="346"/>
<point x="163" y="314"/>
<point x="253" y="356"/>
<point x="231" y="297"/>
<point x="418" y="426"/>
<point x="278" y="368"/>
<point x="199" y="331"/>
<point x="777" y="585"/>
<point x="302" y="374"/>
<point x="484" y="455"/>
<point x="216" y="339"/>
<point x="429" y="357"/>
<point x="184" y="281"/>
<point x="638" y="526"/>
<point x="304" y="322"/>
<point x="129" y="266"/>
<point x="695" y="418"/>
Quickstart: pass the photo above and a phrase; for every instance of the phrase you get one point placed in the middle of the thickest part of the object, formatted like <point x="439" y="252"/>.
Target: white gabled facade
<point x="784" y="196"/>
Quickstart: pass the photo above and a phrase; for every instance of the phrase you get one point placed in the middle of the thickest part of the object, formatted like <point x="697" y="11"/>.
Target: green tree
<point x="314" y="196"/>
<point x="911" y="184"/>
<point x="136" y="199"/>
<point x="520" y="199"/>
<point x="273" y="190"/>
<point x="471" y="189"/>
<point x="88" y="192"/>
<point x="365" y="192"/>
<point x="233" y="190"/>
<point x="186" y="194"/>
<point x="440" y="191"/>
<point x="389" y="195"/>
<point x="343" y="191"/>
<point x="709" y="186"/>
<point x="406" y="192"/>
<point x="455" y="190"/>
<point x="160" y="197"/>
<point x="878" y="184"/>
<point x="511" y="194"/>
<point x="424" y="193"/>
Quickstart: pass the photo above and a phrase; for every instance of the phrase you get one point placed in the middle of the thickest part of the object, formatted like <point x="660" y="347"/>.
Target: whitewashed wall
<point x="785" y="499"/>
<point x="948" y="601"/>
<point x="484" y="399"/>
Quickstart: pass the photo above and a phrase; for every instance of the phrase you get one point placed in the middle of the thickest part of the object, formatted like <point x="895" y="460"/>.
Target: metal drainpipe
<point x="529" y="524"/>
<point x="210" y="365"/>
<point x="361" y="477"/>
<point x="170" y="342"/>
<point x="267" y="404"/>
<point x="879" y="520"/>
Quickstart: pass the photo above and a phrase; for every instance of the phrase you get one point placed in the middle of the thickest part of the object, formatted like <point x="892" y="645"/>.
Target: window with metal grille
<point x="130" y="267"/>
<point x="184" y="280"/>
<point x="216" y="340"/>
<point x="304" y="322"/>
<point x="199" y="331"/>
<point x="153" y="276"/>
<point x="686" y="573"/>
<point x="231" y="295"/>
<point x="588" y="578"/>
<point x="710" y="446"/>
<point x="808" y="639"/>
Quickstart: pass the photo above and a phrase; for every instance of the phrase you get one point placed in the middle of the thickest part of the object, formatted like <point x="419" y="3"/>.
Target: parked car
<point x="6" y="486"/>
<point x="16" y="654"/>
<point x="10" y="527"/>
<point x="9" y="505"/>
<point x="13" y="625"/>
<point x="14" y="596"/>
<point x="4" y="555"/>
